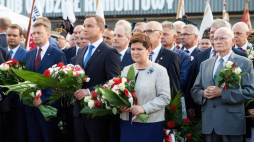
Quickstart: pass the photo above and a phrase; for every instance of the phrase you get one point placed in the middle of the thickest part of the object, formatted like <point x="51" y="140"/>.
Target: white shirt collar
<point x="244" y="47"/>
<point x="157" y="50"/>
<point x="97" y="43"/>
<point x="225" y="58"/>
<point x="44" y="49"/>
<point x="123" y="52"/>
<point x="191" y="49"/>
<point x="13" y="50"/>
<point x="172" y="48"/>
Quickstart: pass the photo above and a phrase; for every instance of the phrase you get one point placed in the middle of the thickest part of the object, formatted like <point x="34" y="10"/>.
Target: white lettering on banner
<point x="49" y="6"/>
<point x="18" y="6"/>
<point x="118" y="5"/>
<point x="108" y="5"/>
<point x="57" y="6"/>
<point x="136" y="4"/>
<point x="10" y="4"/>
<point x="145" y="4"/>
<point x="170" y="4"/>
<point x="128" y="5"/>
<point x="36" y="13"/>
<point x="88" y="5"/>
<point x="76" y="7"/>
<point x="158" y="4"/>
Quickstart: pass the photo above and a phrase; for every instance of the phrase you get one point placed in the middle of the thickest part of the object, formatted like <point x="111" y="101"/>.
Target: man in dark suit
<point x="5" y="131"/>
<point x="163" y="56"/>
<point x="73" y="51"/>
<point x="122" y="36"/>
<point x="168" y="39"/>
<point x="189" y="37"/>
<point x="18" y="118"/>
<point x="51" y="40"/>
<point x="38" y="60"/>
<point x="4" y="23"/>
<point x="101" y="63"/>
<point x="193" y="109"/>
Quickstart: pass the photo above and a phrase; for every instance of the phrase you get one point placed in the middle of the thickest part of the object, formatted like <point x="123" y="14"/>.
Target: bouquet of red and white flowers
<point x="115" y="93"/>
<point x="7" y="76"/>
<point x="229" y="74"/>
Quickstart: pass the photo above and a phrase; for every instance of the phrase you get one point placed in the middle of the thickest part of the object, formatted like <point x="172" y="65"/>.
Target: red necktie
<point x="177" y="47"/>
<point x="214" y="53"/>
<point x="37" y="59"/>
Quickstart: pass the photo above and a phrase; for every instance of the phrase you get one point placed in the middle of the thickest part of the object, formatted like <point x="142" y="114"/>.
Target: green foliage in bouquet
<point x="185" y="129"/>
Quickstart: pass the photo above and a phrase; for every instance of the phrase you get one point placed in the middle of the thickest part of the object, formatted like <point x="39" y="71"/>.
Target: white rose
<point x="124" y="79"/>
<point x="5" y="67"/>
<point x="250" y="56"/>
<point x="238" y="70"/>
<point x="229" y="64"/>
<point x="121" y="86"/>
<point x="54" y="65"/>
<point x="110" y="82"/>
<point x="87" y="98"/>
<point x="91" y="103"/>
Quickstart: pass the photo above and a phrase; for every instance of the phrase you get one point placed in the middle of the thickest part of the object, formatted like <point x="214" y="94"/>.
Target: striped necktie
<point x="37" y="59"/>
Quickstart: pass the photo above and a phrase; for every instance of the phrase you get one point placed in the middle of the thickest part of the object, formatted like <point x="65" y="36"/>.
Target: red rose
<point x="97" y="103"/>
<point x="173" y="108"/>
<point x="243" y="50"/>
<point x="186" y="120"/>
<point x="46" y="73"/>
<point x="77" y="74"/>
<point x="227" y="76"/>
<point x="171" y="124"/>
<point x="117" y="80"/>
<point x="94" y="95"/>
<point x="188" y="136"/>
<point x="60" y="64"/>
<point x="234" y="65"/>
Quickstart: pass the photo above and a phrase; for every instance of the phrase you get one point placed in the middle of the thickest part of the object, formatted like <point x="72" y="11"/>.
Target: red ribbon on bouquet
<point x="167" y="135"/>
<point x="38" y="94"/>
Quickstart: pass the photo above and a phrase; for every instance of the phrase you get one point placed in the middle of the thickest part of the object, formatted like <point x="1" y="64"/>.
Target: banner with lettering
<point x="35" y="13"/>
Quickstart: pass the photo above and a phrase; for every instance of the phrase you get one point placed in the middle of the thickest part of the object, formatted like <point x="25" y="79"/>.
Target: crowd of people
<point x="167" y="58"/>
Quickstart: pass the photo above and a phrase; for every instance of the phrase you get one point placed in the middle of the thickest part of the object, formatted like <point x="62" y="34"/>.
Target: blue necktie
<point x="120" y="57"/>
<point x="11" y="53"/>
<point x="187" y="51"/>
<point x="89" y="54"/>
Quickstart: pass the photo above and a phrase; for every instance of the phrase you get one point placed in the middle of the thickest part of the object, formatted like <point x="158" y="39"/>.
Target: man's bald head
<point x="241" y="33"/>
<point x="154" y="30"/>
<point x="123" y="23"/>
<point x="76" y="32"/>
<point x="4" y="23"/>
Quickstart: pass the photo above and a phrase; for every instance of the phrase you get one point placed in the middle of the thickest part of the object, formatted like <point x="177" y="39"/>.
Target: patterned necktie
<point x="37" y="59"/>
<point x="151" y="56"/>
<point x="220" y="66"/>
<point x="240" y="48"/>
<point x="177" y="47"/>
<point x="11" y="52"/>
<point x="89" y="54"/>
<point x="214" y="53"/>
<point x="187" y="51"/>
<point x="120" y="57"/>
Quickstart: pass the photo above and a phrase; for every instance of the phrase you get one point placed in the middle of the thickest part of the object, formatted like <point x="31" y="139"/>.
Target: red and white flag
<point x="246" y="15"/>
<point x="180" y="10"/>
<point x="99" y="10"/>
<point x="35" y="13"/>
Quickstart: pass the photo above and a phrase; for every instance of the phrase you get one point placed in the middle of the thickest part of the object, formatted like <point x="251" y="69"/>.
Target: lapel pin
<point x="48" y="54"/>
<point x="99" y="50"/>
<point x="161" y="58"/>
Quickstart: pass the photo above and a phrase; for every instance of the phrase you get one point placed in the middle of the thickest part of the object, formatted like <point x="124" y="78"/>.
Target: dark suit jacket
<point x="19" y="55"/>
<point x="195" y="52"/>
<point x="185" y="61"/>
<point x="51" y="57"/>
<point x="171" y="61"/>
<point x="127" y="60"/>
<point x="54" y="43"/>
<point x="3" y="42"/>
<point x="202" y="56"/>
<point x="70" y="53"/>
<point x="103" y="65"/>
<point x="5" y="103"/>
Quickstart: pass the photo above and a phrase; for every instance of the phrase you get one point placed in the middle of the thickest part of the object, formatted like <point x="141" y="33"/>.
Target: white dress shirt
<point x="44" y="50"/>
<point x="244" y="47"/>
<point x="190" y="49"/>
<point x="156" y="52"/>
<point x="123" y="53"/>
<point x="95" y="44"/>
<point x="225" y="58"/>
<point x="13" y="50"/>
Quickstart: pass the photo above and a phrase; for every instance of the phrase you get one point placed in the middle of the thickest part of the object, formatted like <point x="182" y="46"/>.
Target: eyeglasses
<point x="149" y="31"/>
<point x="186" y="34"/>
<point x="219" y="38"/>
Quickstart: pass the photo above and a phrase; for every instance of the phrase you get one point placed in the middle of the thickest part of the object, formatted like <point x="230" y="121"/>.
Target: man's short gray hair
<point x="170" y="25"/>
<point x="126" y="29"/>
<point x="179" y="23"/>
<point x="220" y="23"/>
<point x="193" y="29"/>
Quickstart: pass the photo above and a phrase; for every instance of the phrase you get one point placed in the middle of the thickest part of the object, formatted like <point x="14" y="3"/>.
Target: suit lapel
<point x="32" y="59"/>
<point x="80" y="56"/>
<point x="45" y="57"/>
<point x="210" y="70"/>
<point x="161" y="54"/>
<point x="18" y="54"/>
<point x="207" y="54"/>
<point x="97" y="51"/>
<point x="126" y="56"/>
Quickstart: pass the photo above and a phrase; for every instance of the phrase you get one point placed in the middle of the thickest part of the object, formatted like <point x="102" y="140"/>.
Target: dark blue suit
<point x="202" y="56"/>
<point x="54" y="43"/>
<point x="18" y="116"/>
<point x="185" y="61"/>
<point x="39" y="129"/>
<point x="70" y="53"/>
<point x="127" y="60"/>
<point x="195" y="52"/>
<point x="103" y="65"/>
<point x="3" y="42"/>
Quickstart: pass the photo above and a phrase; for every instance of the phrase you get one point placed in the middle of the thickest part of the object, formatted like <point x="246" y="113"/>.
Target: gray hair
<point x="123" y="23"/>
<point x="179" y="23"/>
<point x="126" y="29"/>
<point x="156" y="24"/>
<point x="243" y="25"/>
<point x="170" y="25"/>
<point x="140" y="23"/>
<point x="220" y="23"/>
<point x="193" y="29"/>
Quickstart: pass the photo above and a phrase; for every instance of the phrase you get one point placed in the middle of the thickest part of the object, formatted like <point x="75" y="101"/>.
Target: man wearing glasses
<point x="179" y="26"/>
<point x="163" y="56"/>
<point x="139" y="27"/>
